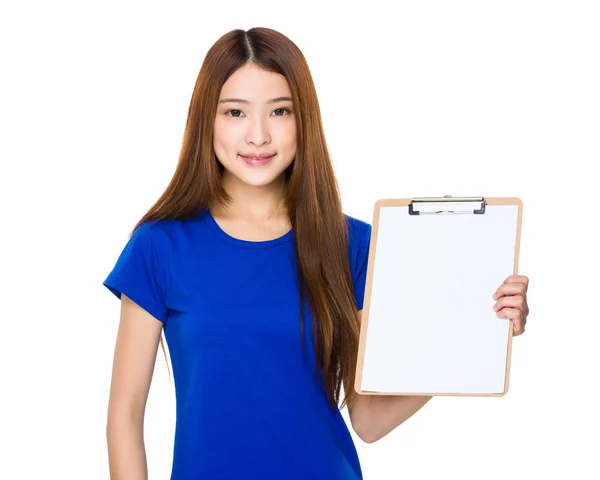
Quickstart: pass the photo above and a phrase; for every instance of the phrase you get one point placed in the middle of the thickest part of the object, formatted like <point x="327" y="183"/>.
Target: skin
<point x="256" y="213"/>
<point x="261" y="126"/>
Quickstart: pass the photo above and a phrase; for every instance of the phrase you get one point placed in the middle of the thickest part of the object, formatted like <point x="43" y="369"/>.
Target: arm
<point x="134" y="360"/>
<point x="374" y="416"/>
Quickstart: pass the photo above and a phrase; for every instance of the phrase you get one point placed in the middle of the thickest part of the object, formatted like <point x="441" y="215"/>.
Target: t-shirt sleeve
<point x="138" y="274"/>
<point x="359" y="274"/>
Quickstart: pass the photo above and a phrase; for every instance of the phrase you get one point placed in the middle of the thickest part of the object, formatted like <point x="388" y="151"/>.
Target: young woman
<point x="257" y="277"/>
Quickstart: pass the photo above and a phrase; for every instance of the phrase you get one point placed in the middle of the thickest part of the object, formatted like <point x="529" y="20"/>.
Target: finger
<point x="515" y="316"/>
<point x="509" y="295"/>
<point x="522" y="279"/>
<point x="510" y="289"/>
<point x="514" y="301"/>
<point x="518" y="319"/>
<point x="516" y="332"/>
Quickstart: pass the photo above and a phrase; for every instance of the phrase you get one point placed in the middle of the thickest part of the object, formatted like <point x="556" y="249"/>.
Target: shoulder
<point x="359" y="240"/>
<point x="157" y="239"/>
<point x="358" y="230"/>
<point x="152" y="233"/>
<point x="166" y="233"/>
<point x="177" y="239"/>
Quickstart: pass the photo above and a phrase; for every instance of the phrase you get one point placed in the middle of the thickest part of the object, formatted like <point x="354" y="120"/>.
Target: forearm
<point x="383" y="413"/>
<point x="126" y="449"/>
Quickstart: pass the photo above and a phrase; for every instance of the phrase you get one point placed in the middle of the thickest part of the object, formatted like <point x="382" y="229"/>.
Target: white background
<point x="418" y="99"/>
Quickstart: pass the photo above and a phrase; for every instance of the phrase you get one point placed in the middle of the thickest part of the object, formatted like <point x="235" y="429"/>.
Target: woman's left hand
<point x="511" y="302"/>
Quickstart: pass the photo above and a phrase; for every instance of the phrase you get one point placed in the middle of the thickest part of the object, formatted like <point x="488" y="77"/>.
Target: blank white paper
<point x="431" y="327"/>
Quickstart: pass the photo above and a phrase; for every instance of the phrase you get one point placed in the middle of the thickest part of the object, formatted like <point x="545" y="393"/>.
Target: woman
<point x="252" y="219"/>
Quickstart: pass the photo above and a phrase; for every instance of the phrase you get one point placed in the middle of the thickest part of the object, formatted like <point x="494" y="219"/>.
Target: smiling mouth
<point x="257" y="155"/>
<point x="261" y="160"/>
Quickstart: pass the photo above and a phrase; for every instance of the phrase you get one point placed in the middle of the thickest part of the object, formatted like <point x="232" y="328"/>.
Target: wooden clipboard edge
<point x="510" y="201"/>
<point x="404" y="202"/>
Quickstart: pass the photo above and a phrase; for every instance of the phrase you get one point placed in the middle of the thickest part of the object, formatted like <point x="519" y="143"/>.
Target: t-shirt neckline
<point x="238" y="242"/>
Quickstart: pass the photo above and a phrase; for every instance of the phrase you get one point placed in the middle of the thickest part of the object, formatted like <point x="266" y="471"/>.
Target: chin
<point x="257" y="176"/>
<point x="258" y="180"/>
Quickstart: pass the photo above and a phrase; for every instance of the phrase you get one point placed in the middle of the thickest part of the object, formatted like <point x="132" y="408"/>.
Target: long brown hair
<point x="312" y="197"/>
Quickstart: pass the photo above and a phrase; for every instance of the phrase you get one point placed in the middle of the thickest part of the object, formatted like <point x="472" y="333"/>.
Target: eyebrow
<point x="241" y="100"/>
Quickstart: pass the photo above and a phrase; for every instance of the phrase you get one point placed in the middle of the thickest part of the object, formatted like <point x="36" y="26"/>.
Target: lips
<point x="257" y="156"/>
<point x="257" y="159"/>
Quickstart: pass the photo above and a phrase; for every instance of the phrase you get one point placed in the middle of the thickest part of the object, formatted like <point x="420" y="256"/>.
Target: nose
<point x="258" y="132"/>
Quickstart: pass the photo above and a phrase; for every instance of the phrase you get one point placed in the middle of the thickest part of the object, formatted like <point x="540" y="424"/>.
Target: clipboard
<point x="428" y="327"/>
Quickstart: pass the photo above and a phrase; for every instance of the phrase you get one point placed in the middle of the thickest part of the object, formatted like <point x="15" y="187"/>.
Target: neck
<point x="252" y="202"/>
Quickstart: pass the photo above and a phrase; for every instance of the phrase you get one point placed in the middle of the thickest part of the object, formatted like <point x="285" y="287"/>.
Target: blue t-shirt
<point x="249" y="404"/>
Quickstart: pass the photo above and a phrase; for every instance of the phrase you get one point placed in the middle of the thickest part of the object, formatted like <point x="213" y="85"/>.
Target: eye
<point x="282" y="110"/>
<point x="237" y="112"/>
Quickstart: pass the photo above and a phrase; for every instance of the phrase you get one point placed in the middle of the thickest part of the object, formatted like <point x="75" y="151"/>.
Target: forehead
<point x="255" y="84"/>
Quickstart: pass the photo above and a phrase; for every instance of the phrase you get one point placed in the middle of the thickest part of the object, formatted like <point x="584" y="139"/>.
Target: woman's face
<point x="255" y="118"/>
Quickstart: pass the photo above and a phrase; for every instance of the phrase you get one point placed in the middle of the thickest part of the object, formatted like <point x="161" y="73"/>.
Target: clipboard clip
<point x="446" y="205"/>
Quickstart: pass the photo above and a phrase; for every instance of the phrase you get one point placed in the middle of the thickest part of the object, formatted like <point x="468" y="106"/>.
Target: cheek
<point x="222" y="137"/>
<point x="288" y="136"/>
